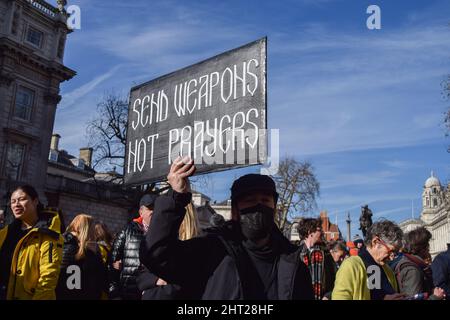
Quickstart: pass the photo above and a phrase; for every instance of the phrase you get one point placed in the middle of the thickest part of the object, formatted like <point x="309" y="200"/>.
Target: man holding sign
<point x="246" y="259"/>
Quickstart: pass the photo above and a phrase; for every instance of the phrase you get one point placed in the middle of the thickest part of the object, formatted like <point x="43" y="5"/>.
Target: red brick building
<point x="330" y="230"/>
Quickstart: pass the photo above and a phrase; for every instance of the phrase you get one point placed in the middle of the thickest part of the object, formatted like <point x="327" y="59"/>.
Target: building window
<point x="53" y="156"/>
<point x="35" y="37"/>
<point x="435" y="203"/>
<point x="14" y="160"/>
<point x="24" y="103"/>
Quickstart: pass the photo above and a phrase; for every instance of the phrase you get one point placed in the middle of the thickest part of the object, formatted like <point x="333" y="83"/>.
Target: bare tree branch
<point x="298" y="188"/>
<point x="107" y="132"/>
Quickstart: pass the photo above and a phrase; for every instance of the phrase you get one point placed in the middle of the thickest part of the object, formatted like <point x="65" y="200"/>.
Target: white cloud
<point x="347" y="202"/>
<point x="73" y="97"/>
<point x="163" y="47"/>
<point x="427" y="120"/>
<point x="398" y="164"/>
<point x="340" y="180"/>
<point x="385" y="85"/>
<point x="386" y="213"/>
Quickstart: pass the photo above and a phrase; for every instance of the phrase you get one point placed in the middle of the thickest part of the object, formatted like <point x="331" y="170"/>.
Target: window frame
<point x="37" y="30"/>
<point x="33" y="101"/>
<point x="53" y="155"/>
<point x="20" y="174"/>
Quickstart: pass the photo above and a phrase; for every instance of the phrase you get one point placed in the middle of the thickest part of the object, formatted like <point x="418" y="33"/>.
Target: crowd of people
<point x="163" y="255"/>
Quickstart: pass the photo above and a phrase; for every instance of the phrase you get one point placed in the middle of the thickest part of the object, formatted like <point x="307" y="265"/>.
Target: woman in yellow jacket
<point x="30" y="249"/>
<point x="367" y="276"/>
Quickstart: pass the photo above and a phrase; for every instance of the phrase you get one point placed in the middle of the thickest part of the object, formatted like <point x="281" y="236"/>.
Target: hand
<point x="439" y="293"/>
<point x="117" y="265"/>
<point x="161" y="282"/>
<point x="395" y="296"/>
<point x="179" y="172"/>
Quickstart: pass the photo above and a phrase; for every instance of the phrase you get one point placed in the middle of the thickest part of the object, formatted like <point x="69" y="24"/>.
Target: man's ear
<point x="373" y="242"/>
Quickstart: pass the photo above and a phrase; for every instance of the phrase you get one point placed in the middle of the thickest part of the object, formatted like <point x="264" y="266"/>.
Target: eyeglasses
<point x="386" y="246"/>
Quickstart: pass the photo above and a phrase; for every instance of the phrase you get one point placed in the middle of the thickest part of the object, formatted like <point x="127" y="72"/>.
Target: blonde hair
<point x="83" y="226"/>
<point x="189" y="226"/>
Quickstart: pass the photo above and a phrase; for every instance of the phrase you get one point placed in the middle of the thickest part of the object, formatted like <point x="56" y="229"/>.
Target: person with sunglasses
<point x="368" y="276"/>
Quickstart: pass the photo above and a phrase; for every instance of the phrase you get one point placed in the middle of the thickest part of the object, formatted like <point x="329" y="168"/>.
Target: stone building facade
<point x="435" y="215"/>
<point x="74" y="187"/>
<point x="32" y="41"/>
<point x="85" y="200"/>
<point x="223" y="208"/>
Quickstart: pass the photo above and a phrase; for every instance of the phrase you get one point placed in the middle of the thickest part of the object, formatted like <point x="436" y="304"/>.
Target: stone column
<point x="349" y="222"/>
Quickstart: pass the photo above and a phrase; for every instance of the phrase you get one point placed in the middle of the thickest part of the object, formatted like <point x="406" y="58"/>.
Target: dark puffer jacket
<point x="122" y="284"/>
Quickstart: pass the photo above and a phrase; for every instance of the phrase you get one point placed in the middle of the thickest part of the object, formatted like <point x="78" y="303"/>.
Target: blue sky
<point x="364" y="106"/>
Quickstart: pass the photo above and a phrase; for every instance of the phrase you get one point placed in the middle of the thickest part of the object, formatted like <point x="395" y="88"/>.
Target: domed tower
<point x="432" y="198"/>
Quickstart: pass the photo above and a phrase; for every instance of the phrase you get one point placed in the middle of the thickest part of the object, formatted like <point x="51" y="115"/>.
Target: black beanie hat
<point x="148" y="200"/>
<point x="253" y="183"/>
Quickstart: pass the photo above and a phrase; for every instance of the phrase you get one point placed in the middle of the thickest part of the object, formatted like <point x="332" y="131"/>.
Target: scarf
<point x="142" y="225"/>
<point x="314" y="260"/>
<point x="385" y="286"/>
<point x="266" y="253"/>
<point x="265" y="260"/>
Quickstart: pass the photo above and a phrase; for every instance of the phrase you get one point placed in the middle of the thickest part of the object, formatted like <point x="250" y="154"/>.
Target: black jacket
<point x="146" y="282"/>
<point x="215" y="266"/>
<point x="92" y="272"/>
<point x="441" y="271"/>
<point x="126" y="248"/>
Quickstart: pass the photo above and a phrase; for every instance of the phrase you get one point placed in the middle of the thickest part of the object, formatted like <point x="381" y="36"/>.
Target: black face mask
<point x="257" y="221"/>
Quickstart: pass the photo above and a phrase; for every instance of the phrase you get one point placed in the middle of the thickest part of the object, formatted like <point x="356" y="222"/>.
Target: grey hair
<point x="387" y="231"/>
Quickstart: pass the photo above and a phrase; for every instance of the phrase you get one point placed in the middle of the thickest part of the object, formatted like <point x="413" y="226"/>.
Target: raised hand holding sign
<point x="180" y="171"/>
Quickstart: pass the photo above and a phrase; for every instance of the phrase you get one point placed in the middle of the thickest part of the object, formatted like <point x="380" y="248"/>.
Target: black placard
<point x="213" y="111"/>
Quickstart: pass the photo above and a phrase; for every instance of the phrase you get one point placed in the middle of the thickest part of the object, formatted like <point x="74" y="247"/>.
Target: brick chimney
<point x="86" y="156"/>
<point x="54" y="144"/>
